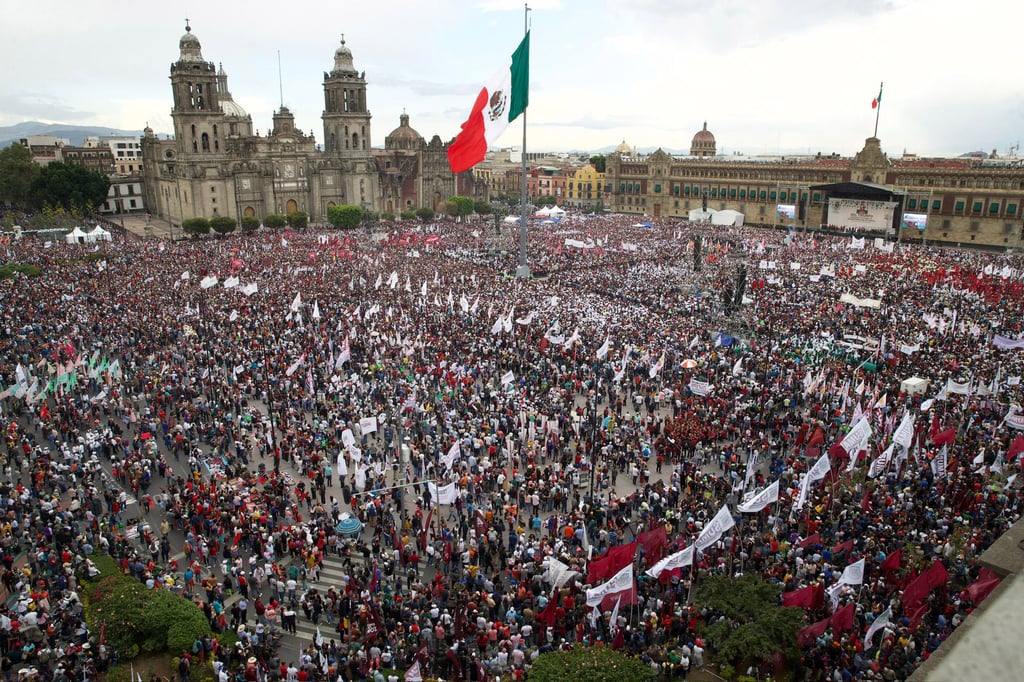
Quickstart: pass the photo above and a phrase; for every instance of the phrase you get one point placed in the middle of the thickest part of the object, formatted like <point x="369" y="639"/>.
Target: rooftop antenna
<point x="280" y="81"/>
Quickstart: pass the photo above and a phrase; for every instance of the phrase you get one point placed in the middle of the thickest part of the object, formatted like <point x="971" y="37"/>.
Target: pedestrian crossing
<point x="332" y="574"/>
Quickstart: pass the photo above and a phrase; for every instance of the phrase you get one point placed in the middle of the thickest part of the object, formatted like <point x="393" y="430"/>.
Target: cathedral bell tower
<point x="197" y="109"/>
<point x="346" y="118"/>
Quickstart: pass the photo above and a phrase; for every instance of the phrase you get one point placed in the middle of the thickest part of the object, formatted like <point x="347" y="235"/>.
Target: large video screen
<point x="785" y="211"/>
<point x="915" y="221"/>
<point x="861" y="215"/>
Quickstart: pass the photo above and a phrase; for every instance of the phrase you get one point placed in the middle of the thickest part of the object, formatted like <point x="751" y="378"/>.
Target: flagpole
<point x="878" y="109"/>
<point x="523" y="271"/>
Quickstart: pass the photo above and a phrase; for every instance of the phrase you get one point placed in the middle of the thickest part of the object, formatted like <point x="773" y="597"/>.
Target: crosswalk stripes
<point x="332" y="574"/>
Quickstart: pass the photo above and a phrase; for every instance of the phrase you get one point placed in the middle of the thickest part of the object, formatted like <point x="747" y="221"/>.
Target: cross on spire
<point x="342" y="38"/>
<point x="188" y="29"/>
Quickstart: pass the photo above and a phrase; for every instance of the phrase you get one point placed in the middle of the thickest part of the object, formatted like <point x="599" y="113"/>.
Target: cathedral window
<point x="206" y="142"/>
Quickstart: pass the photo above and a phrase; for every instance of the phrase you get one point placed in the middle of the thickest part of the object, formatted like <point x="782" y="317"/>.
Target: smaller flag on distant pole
<point x="876" y="104"/>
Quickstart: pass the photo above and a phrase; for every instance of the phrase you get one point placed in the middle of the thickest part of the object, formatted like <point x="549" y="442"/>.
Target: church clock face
<point x="289" y="170"/>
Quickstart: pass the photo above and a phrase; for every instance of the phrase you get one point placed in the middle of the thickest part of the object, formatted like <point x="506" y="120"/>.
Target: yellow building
<point x="586" y="187"/>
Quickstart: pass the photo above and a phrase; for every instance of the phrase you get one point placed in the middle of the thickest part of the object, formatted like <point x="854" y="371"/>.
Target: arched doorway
<point x="291" y="206"/>
<point x="249" y="212"/>
<point x="391" y="206"/>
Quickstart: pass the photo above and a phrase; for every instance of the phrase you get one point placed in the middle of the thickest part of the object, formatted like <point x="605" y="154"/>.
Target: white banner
<point x="759" y="501"/>
<point x="368" y="425"/>
<point x="620" y="582"/>
<point x="680" y="559"/>
<point x="348" y="438"/>
<point x="700" y="388"/>
<point x="857" y="439"/>
<point x="722" y="522"/>
<point x="858" y="214"/>
<point x="446" y="494"/>
<point x="904" y="434"/>
<point x="860" y="302"/>
<point x="1007" y="343"/>
<point x="853" y="574"/>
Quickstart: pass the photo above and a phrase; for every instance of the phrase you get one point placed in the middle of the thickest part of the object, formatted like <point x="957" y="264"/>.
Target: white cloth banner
<point x="446" y="494"/>
<point x="961" y="389"/>
<point x="507" y="378"/>
<point x="618" y="583"/>
<point x="1007" y="343"/>
<point x="680" y="559"/>
<point x="700" y="388"/>
<point x="368" y="425"/>
<point x="857" y="439"/>
<point x="759" y="501"/>
<point x="348" y="438"/>
<point x="557" y="573"/>
<point x="860" y="302"/>
<point x="250" y="289"/>
<point x="722" y="522"/>
<point x="853" y="574"/>
<point x="880" y="622"/>
<point x="904" y="434"/>
<point x="208" y="282"/>
<point x="603" y="350"/>
<point x="817" y="472"/>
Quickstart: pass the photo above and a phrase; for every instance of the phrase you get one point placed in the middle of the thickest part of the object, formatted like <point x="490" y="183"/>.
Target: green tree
<point x="752" y="626"/>
<point x="425" y="213"/>
<point x="297" y="219"/>
<point x="408" y="215"/>
<point x="482" y="207"/>
<point x="68" y="185"/>
<point x="590" y="664"/>
<point x="387" y="215"/>
<point x="462" y="206"/>
<point x="195" y="226"/>
<point x="17" y="171"/>
<point x="598" y="161"/>
<point x="250" y="223"/>
<point x="223" y="224"/>
<point x="275" y="220"/>
<point x="546" y="200"/>
<point x="345" y="216"/>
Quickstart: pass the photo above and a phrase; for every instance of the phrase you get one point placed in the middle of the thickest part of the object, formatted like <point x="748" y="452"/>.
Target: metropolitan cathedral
<point x="216" y="164"/>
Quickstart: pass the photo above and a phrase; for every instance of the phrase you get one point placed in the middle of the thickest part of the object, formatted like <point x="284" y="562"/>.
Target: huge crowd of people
<point x="212" y="412"/>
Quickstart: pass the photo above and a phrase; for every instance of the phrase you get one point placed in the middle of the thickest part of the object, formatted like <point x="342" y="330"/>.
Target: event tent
<point x="727" y="217"/>
<point x="76" y="236"/>
<point x="98" y="234"/>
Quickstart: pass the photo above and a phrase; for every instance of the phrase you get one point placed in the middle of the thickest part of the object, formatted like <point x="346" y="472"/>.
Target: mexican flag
<point x="500" y="101"/>
<point x="878" y="100"/>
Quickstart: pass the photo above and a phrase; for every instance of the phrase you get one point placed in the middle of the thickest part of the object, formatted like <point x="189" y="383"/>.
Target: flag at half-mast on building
<point x="500" y="101"/>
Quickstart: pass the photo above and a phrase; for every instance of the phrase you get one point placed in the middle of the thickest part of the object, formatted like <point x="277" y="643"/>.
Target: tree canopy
<point x="223" y="224"/>
<point x="461" y="206"/>
<point x="752" y="626"/>
<point x="598" y="161"/>
<point x="344" y="216"/>
<point x="589" y="664"/>
<point x="275" y="220"/>
<point x="68" y="185"/>
<point x="17" y="171"/>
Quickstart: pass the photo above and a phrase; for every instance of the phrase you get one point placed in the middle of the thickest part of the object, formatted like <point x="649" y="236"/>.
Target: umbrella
<point x="689" y="363"/>
<point x="349" y="525"/>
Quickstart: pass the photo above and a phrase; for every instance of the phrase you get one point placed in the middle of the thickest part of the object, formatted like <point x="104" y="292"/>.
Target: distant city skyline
<point x="771" y="77"/>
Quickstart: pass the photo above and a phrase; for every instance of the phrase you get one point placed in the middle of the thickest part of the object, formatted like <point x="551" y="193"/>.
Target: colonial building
<point x="217" y="164"/>
<point x="586" y="188"/>
<point x="965" y="200"/>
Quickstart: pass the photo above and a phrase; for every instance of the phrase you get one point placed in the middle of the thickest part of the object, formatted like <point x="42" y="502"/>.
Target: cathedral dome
<point x="404" y="136"/>
<point x="703" y="143"/>
<point x="343" y="59"/>
<point x="189" y="47"/>
<point x="623" y="148"/>
<point x="227" y="104"/>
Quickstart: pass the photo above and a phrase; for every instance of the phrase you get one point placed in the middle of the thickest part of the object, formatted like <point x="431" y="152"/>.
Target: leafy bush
<point x="118" y="604"/>
<point x="298" y="219"/>
<point x="425" y="213"/>
<point x="8" y="271"/>
<point x="275" y="220"/>
<point x="344" y="216"/>
<point x="482" y="207"/>
<point x="408" y="215"/>
<point x="171" y="623"/>
<point x="195" y="226"/>
<point x="589" y="664"/>
<point x="462" y="206"/>
<point x="387" y="215"/>
<point x="250" y="223"/>
<point x="223" y="224"/>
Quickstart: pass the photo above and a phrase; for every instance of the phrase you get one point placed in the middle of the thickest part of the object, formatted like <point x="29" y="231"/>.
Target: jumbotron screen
<point x="915" y="221"/>
<point x="785" y="211"/>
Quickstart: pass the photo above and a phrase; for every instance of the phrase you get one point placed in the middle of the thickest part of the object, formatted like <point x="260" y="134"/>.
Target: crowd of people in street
<point x="485" y="454"/>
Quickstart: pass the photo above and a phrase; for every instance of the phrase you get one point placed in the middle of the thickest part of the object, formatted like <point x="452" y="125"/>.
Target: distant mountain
<point x="75" y="133"/>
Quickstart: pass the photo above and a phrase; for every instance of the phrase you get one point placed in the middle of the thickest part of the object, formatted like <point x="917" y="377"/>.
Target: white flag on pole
<point x="722" y="522"/>
<point x="368" y="425"/>
<point x="602" y="352"/>
<point x="759" y="501"/>
<point x="680" y="559"/>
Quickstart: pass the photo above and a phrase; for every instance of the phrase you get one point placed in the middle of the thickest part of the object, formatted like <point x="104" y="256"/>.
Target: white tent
<point x="76" y="236"/>
<point x="556" y="212"/>
<point x="544" y="212"/>
<point x="697" y="215"/>
<point x="512" y="219"/>
<point x="914" y="386"/>
<point x="727" y="217"/>
<point x="98" y="234"/>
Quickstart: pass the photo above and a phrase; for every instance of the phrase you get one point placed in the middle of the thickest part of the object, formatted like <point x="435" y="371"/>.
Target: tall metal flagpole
<point x="878" y="109"/>
<point x="523" y="271"/>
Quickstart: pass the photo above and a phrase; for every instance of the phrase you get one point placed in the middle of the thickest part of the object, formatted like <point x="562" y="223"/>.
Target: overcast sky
<point x="767" y="75"/>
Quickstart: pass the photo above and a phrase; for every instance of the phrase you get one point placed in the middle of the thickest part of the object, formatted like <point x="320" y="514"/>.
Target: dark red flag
<point x="613" y="561"/>
<point x="944" y="437"/>
<point x="918" y="615"/>
<point x="843" y="547"/>
<point x="808" y="634"/>
<point x="810" y="597"/>
<point x="654" y="543"/>
<point x="817" y="438"/>
<point x="981" y="588"/>
<point x="892" y="562"/>
<point x="1016" y="447"/>
<point x="842" y="620"/>
<point x="813" y="539"/>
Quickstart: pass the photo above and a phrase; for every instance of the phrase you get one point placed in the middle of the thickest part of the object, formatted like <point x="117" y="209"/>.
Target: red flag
<point x="550" y="612"/>
<point x="935" y="427"/>
<point x="916" y="591"/>
<point x="808" y="634"/>
<point x="1016" y="447"/>
<point x="944" y="437"/>
<point x="918" y="615"/>
<point x="843" y="547"/>
<point x="654" y="543"/>
<point x="802" y="435"/>
<point x="613" y="561"/>
<point x="892" y="562"/>
<point x="619" y="641"/>
<point x="982" y="587"/>
<point x="842" y="620"/>
<point x="813" y="539"/>
<point x="865" y="504"/>
<point x="810" y="597"/>
<point x="817" y="438"/>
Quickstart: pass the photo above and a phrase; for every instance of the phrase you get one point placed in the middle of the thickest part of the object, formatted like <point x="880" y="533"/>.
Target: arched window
<point x="193" y="130"/>
<point x="215" y="130"/>
<point x="206" y="142"/>
<point x="355" y="140"/>
<point x="333" y="146"/>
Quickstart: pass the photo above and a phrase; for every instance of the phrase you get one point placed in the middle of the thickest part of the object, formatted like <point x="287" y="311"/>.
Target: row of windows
<point x="978" y="207"/>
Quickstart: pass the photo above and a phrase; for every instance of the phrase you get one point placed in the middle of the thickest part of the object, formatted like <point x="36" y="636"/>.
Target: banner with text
<point x="860" y="215"/>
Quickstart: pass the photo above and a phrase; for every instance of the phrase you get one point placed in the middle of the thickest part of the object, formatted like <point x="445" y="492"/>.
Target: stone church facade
<point x="217" y="164"/>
